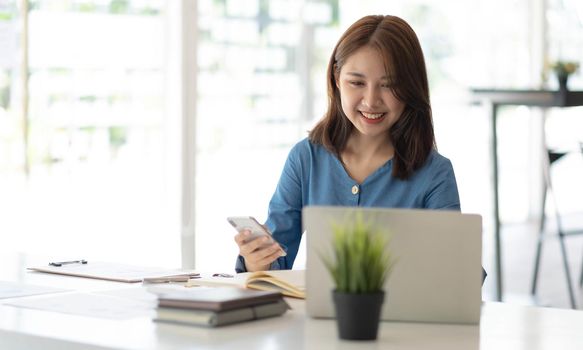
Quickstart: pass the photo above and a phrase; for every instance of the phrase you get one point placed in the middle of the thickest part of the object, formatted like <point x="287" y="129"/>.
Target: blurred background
<point x="130" y="129"/>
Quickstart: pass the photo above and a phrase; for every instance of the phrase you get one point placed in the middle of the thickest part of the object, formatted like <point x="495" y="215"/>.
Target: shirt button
<point x="355" y="189"/>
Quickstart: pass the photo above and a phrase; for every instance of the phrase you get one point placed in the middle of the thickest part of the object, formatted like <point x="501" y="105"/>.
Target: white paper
<point x="91" y="305"/>
<point x="110" y="271"/>
<point x="147" y="294"/>
<point x="16" y="290"/>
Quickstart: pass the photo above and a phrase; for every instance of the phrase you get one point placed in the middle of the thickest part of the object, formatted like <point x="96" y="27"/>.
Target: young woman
<point x="374" y="147"/>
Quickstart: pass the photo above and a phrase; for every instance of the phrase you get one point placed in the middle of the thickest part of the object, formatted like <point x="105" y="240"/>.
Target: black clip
<point x="61" y="263"/>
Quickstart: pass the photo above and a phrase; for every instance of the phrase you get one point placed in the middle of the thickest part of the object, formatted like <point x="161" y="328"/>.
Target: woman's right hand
<point x="258" y="255"/>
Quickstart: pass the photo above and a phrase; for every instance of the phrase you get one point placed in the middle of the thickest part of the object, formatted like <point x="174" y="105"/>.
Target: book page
<point x="289" y="282"/>
<point x="296" y="278"/>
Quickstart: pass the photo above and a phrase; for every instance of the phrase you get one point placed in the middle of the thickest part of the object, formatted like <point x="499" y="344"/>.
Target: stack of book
<point x="214" y="307"/>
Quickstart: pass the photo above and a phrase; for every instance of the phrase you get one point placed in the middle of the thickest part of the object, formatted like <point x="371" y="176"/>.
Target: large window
<point x="261" y="85"/>
<point x="94" y="140"/>
<point x="10" y="91"/>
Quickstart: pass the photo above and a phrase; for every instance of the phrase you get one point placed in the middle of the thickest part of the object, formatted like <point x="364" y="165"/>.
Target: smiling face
<point x="366" y="94"/>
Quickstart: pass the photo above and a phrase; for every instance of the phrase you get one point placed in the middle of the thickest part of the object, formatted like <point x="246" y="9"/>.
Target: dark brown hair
<point x="412" y="135"/>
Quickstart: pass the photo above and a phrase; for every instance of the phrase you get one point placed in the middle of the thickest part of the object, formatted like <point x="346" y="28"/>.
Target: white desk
<point x="503" y="326"/>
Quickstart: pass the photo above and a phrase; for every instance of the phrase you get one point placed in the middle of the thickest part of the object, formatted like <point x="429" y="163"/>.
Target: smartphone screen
<point x="241" y="223"/>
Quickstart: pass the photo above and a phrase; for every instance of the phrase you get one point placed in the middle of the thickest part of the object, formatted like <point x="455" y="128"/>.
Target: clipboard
<point x="112" y="271"/>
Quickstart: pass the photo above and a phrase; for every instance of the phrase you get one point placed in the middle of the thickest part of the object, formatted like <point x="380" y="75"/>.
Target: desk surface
<point x="503" y="326"/>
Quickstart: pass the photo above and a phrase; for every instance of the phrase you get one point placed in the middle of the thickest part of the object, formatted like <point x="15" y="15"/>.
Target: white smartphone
<point x="241" y="223"/>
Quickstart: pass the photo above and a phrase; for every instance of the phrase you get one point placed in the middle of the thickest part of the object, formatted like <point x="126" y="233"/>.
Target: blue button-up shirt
<point x="314" y="176"/>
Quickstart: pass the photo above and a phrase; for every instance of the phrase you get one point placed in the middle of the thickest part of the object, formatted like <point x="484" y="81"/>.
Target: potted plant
<point x="359" y="266"/>
<point x="562" y="70"/>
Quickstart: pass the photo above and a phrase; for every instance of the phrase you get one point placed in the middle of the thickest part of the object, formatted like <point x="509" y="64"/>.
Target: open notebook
<point x="290" y="283"/>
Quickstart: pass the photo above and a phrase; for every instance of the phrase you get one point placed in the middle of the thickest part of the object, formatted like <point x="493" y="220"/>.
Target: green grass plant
<point x="360" y="261"/>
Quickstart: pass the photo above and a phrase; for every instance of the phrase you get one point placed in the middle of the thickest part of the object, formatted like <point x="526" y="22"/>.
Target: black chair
<point x="552" y="157"/>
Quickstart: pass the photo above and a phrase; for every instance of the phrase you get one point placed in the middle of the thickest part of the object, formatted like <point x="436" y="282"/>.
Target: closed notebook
<point x="217" y="299"/>
<point x="290" y="283"/>
<point x="220" y="318"/>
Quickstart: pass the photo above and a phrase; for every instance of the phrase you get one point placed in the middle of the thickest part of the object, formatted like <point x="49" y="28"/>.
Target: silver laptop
<point x="438" y="273"/>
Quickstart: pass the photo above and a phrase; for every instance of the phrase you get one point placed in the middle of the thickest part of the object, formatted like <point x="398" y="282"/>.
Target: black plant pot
<point x="358" y="315"/>
<point x="563" y="78"/>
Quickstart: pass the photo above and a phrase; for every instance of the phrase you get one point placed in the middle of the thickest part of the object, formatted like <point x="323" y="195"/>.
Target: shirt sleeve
<point x="442" y="191"/>
<point x="284" y="218"/>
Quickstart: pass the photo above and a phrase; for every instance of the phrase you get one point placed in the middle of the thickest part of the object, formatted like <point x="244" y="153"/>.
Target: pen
<point x="168" y="279"/>
<point x="222" y="275"/>
<point x="60" y="263"/>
